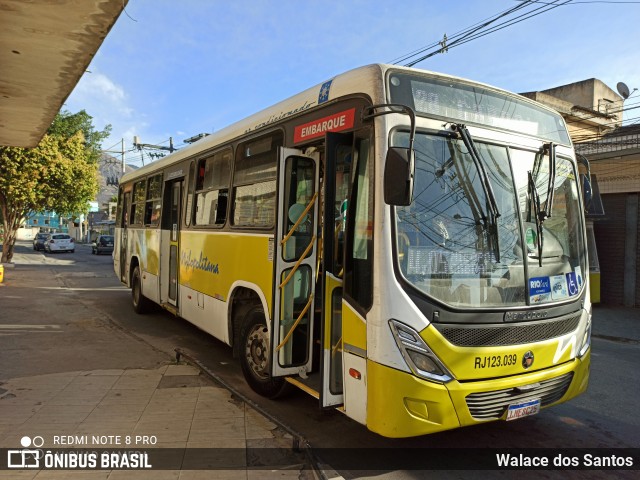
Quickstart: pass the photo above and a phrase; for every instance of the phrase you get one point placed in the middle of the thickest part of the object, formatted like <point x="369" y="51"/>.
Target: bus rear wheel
<point x="255" y="353"/>
<point x="141" y="304"/>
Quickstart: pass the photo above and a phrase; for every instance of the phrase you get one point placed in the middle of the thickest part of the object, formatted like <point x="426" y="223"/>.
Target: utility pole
<point x="123" y="164"/>
<point x="121" y="152"/>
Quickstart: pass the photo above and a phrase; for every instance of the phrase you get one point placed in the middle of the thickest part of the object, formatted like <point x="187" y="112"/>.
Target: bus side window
<point x="188" y="215"/>
<point x="120" y="218"/>
<point x="154" y="201"/>
<point x="212" y="189"/>
<point x="138" y="203"/>
<point x="254" y="182"/>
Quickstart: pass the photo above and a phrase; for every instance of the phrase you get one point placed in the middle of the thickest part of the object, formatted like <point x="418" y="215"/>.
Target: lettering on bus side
<point x="198" y="263"/>
<point x="281" y="116"/>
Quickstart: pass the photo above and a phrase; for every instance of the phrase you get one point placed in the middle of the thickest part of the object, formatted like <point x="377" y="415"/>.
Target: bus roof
<point x="366" y="80"/>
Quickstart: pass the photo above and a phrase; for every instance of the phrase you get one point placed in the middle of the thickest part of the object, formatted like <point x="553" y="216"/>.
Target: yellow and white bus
<point x="408" y="247"/>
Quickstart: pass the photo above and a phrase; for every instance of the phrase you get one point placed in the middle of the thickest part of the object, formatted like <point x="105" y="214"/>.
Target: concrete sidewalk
<point x="59" y="389"/>
<point x="173" y="407"/>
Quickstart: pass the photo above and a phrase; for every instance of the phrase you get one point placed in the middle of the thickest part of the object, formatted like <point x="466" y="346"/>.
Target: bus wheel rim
<point x="257" y="351"/>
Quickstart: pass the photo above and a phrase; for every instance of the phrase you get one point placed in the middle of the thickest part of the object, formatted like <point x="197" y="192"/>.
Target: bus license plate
<point x="519" y="410"/>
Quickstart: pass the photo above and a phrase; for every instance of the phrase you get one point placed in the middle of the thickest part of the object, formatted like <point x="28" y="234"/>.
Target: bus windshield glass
<point x="449" y="249"/>
<point x="472" y="103"/>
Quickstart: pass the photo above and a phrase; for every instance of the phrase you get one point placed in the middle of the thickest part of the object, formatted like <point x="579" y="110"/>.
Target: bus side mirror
<point x="398" y="176"/>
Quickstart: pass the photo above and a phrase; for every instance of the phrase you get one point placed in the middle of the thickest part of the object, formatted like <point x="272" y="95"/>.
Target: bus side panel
<point x="205" y="312"/>
<point x="211" y="262"/>
<point x="355" y="374"/>
<point x="145" y="246"/>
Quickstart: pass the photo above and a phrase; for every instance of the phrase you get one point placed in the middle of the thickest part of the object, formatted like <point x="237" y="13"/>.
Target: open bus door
<point x="337" y="175"/>
<point x="296" y="250"/>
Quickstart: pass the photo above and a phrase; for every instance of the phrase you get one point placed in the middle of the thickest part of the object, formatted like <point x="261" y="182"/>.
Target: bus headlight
<point x="419" y="357"/>
<point x="586" y="338"/>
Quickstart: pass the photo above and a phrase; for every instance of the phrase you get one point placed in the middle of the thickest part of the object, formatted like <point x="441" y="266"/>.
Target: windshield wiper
<point x="534" y="199"/>
<point x="491" y="219"/>
<point x="551" y="147"/>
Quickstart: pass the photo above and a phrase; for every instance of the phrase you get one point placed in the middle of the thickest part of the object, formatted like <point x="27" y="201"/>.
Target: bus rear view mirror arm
<point x="399" y="165"/>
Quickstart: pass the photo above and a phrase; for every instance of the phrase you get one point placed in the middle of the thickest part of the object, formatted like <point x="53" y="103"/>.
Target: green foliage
<point x="67" y="124"/>
<point x="60" y="174"/>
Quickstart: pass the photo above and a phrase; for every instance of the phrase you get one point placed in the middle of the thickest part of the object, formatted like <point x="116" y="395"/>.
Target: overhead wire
<point x="475" y="32"/>
<point x="514" y="21"/>
<point x="407" y="56"/>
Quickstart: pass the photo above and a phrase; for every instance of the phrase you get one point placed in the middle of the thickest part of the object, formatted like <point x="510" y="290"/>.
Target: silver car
<point x="59" y="242"/>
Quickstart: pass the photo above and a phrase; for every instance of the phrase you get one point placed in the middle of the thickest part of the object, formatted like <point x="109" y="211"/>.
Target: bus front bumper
<point x="403" y="405"/>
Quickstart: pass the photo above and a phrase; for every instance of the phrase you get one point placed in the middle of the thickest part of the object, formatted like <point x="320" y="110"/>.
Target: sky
<point x="179" y="68"/>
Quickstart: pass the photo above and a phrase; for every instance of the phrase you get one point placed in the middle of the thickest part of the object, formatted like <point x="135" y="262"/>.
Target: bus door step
<point x="171" y="308"/>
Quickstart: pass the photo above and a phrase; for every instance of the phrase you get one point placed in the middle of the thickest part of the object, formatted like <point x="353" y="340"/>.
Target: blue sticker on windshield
<point x="572" y="284"/>
<point x="539" y="286"/>
<point x="539" y="290"/>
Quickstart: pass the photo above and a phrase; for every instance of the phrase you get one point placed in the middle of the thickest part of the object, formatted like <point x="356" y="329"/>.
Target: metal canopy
<point x="45" y="47"/>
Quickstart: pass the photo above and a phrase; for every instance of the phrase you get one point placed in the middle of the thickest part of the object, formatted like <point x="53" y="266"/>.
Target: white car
<point x="59" y="242"/>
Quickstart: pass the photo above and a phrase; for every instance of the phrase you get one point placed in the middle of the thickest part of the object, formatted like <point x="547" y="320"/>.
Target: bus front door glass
<point x="295" y="257"/>
<point x="337" y="177"/>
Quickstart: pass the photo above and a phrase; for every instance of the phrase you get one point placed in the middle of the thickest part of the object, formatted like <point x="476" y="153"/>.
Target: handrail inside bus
<point x="295" y="325"/>
<point x="299" y="221"/>
<point x="295" y="267"/>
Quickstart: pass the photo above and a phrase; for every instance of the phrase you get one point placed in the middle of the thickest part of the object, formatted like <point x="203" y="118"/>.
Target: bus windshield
<point x="450" y="250"/>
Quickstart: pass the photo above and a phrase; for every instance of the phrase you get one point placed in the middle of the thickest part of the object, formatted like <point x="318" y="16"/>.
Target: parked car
<point x="38" y="241"/>
<point x="103" y="244"/>
<point x="59" y="242"/>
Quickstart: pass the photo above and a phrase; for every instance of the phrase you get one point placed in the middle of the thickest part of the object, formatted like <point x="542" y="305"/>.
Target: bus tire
<point x="141" y="304"/>
<point x="254" y="355"/>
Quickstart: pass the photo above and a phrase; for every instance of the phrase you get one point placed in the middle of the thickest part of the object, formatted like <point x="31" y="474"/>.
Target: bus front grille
<point x="493" y="405"/>
<point x="501" y="335"/>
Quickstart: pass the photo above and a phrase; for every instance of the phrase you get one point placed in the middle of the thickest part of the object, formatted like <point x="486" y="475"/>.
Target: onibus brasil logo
<point x="26" y="457"/>
<point x="32" y="456"/>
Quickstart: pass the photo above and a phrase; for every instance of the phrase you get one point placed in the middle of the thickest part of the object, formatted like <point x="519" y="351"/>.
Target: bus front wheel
<point x="255" y="353"/>
<point x="141" y="303"/>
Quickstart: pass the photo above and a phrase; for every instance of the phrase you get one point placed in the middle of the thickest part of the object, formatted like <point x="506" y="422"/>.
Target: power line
<point x="455" y="35"/>
<point x="475" y="32"/>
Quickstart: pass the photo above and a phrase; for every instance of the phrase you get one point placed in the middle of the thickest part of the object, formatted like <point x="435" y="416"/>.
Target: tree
<point x="67" y="124"/>
<point x="60" y="174"/>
